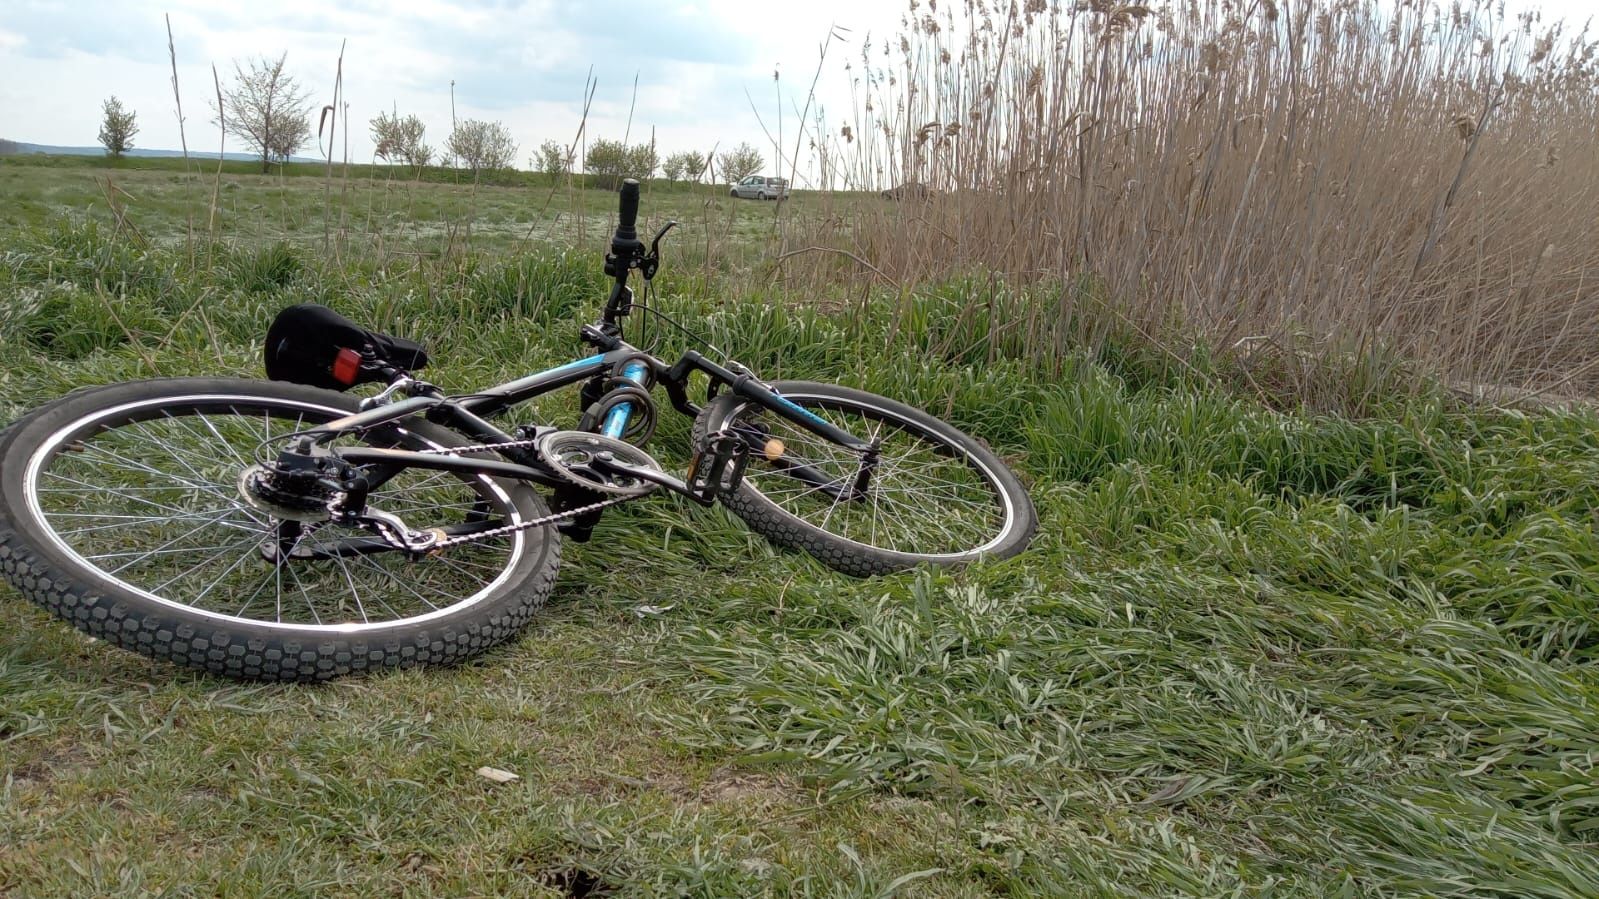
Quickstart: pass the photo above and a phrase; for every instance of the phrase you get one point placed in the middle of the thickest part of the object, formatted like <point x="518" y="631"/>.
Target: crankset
<point x="614" y="467"/>
<point x="598" y="463"/>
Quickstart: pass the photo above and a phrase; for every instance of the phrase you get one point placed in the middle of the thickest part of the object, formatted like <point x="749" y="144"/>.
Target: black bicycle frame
<point x="469" y="414"/>
<point x="466" y="414"/>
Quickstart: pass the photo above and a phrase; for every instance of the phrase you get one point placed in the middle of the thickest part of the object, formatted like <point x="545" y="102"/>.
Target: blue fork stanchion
<point x="616" y="419"/>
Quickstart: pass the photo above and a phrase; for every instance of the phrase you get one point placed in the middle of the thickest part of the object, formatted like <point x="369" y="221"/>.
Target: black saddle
<point x="312" y="344"/>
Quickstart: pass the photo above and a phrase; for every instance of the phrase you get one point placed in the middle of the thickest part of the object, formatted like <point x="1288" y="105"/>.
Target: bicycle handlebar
<point x="626" y="225"/>
<point x="627" y="251"/>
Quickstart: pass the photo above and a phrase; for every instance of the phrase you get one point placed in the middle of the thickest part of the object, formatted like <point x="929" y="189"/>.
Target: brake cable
<point x="651" y="265"/>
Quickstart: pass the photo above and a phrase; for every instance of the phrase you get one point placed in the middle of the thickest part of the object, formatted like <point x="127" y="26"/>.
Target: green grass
<point x="1253" y="651"/>
<point x="392" y="211"/>
<point x="435" y="174"/>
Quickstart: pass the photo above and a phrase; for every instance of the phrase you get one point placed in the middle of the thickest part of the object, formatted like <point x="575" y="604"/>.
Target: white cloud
<point x="699" y="63"/>
<point x="520" y="61"/>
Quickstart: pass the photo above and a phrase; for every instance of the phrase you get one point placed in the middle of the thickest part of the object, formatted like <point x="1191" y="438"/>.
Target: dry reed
<point x="1350" y="177"/>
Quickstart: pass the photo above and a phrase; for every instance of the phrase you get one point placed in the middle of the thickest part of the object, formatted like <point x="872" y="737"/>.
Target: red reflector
<point x="346" y="365"/>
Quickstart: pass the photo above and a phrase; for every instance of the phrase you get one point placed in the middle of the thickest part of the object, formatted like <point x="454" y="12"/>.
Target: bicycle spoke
<point x="355" y="592"/>
<point x="163" y="549"/>
<point x="924" y="495"/>
<point x="243" y="557"/>
<point x="151" y="499"/>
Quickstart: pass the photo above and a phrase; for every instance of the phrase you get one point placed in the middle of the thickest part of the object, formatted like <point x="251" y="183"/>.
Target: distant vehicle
<point x="910" y="190"/>
<point x="760" y="187"/>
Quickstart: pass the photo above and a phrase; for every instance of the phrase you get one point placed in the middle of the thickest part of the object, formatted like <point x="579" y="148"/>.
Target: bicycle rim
<point x="929" y="496"/>
<point x="144" y="494"/>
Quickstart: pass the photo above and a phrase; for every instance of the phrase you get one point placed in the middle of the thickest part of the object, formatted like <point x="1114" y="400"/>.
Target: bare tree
<point x="118" y="127"/>
<point x="400" y="140"/>
<point x="694" y="164"/>
<point x="687" y="165"/>
<point x="267" y="110"/>
<point x="553" y="159"/>
<point x="642" y="161"/>
<point x="672" y="168"/>
<point x="741" y="162"/>
<point x="607" y="161"/>
<point x="481" y="146"/>
<point x="610" y="161"/>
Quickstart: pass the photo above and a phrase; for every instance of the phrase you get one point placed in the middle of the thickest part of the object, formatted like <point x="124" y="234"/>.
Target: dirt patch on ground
<point x="723" y="787"/>
<point x="752" y="788"/>
<point x="55" y="763"/>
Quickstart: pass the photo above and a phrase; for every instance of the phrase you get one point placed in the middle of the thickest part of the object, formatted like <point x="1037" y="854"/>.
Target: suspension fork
<point x="746" y="385"/>
<point x="616" y="419"/>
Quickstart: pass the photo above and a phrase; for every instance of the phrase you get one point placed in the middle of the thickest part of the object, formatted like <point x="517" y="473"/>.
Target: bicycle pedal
<point x="718" y="468"/>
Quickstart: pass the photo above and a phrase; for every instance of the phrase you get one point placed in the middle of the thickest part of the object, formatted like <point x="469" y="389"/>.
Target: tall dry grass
<point x="1352" y="177"/>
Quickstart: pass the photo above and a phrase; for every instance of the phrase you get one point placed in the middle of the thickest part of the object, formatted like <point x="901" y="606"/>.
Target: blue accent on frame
<point x="804" y="412"/>
<point x="592" y="360"/>
<point x="616" y="419"/>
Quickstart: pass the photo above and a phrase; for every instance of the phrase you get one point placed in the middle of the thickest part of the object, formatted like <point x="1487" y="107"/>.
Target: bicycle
<point x="283" y="529"/>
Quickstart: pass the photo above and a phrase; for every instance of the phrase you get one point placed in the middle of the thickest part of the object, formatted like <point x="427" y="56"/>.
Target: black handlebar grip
<point x="626" y="225"/>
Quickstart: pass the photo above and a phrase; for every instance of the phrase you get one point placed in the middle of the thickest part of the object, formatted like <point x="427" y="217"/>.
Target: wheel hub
<point x="287" y="496"/>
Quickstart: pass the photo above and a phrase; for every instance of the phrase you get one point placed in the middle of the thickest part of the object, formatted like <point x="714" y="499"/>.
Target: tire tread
<point x="242" y="651"/>
<point x="848" y="557"/>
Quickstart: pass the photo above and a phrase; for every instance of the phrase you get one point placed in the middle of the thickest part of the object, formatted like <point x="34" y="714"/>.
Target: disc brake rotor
<point x="282" y="499"/>
<point x="580" y="458"/>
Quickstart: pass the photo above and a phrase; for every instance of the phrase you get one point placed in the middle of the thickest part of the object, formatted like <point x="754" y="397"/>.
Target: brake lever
<point x="655" y="245"/>
<point x="652" y="261"/>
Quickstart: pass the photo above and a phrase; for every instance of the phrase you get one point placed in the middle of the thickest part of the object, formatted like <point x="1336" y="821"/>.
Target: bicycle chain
<point x="526" y="525"/>
<point x="510" y="528"/>
<point x="476" y="448"/>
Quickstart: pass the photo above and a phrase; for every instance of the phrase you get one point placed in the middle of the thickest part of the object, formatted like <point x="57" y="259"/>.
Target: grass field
<point x="1254" y="651"/>
<point x="375" y="212"/>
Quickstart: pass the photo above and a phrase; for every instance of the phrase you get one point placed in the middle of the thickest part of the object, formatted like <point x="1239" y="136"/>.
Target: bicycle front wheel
<point x="936" y="496"/>
<point x="120" y="512"/>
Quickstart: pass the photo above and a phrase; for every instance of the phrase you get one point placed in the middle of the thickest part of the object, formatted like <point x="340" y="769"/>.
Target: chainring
<point x="572" y="456"/>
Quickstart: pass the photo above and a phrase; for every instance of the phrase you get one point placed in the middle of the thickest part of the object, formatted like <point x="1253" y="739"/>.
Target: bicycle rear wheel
<point x="120" y="512"/>
<point x="937" y="497"/>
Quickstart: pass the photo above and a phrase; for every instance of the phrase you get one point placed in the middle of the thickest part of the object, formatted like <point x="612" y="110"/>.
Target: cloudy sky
<point x="523" y="62"/>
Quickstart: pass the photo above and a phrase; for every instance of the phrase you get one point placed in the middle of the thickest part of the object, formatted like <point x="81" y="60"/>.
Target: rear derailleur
<point x="307" y="486"/>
